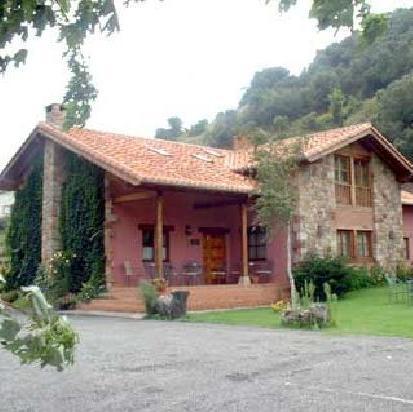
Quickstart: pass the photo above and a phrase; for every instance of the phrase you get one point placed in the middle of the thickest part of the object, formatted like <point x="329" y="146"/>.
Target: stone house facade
<point x="320" y="215"/>
<point x="171" y="203"/>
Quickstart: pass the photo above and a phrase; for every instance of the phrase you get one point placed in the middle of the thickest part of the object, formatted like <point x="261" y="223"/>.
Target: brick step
<point x="124" y="299"/>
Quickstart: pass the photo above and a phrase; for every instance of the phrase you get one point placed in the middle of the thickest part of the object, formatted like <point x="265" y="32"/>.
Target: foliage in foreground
<point x="42" y="337"/>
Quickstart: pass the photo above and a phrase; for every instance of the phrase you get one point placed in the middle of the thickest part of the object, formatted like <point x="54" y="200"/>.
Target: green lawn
<point x="365" y="312"/>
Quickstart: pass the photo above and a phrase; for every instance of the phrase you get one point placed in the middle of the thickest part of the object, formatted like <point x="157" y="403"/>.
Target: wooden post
<point x="244" y="278"/>
<point x="158" y="238"/>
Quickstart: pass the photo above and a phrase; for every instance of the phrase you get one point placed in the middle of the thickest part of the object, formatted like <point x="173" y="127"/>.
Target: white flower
<point x="2" y="280"/>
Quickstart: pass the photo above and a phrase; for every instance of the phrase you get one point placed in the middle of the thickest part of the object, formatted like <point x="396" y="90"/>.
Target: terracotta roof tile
<point x="158" y="161"/>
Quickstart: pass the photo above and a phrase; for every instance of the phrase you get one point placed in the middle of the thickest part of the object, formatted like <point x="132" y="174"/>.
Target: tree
<point x="339" y="87"/>
<point x="198" y="128"/>
<point x="76" y="19"/>
<point x="395" y="113"/>
<point x="223" y="129"/>
<point x="276" y="194"/>
<point x="174" y="131"/>
<point x="336" y="98"/>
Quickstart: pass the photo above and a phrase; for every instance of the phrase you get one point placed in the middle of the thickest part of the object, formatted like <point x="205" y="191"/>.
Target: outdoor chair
<point x="129" y="272"/>
<point x="260" y="271"/>
<point x="397" y="291"/>
<point x="192" y="272"/>
<point x="149" y="268"/>
<point x="233" y="274"/>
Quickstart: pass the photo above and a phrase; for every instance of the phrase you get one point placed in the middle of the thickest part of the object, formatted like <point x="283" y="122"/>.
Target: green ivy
<point x="23" y="237"/>
<point x="82" y="220"/>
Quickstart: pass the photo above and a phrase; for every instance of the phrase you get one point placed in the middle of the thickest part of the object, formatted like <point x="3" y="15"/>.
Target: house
<point x="185" y="212"/>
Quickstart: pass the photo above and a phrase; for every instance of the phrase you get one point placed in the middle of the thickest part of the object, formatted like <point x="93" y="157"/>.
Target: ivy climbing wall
<point x="82" y="219"/>
<point x="23" y="238"/>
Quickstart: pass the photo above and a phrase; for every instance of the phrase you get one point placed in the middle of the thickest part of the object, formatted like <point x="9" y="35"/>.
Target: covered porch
<point x="187" y="237"/>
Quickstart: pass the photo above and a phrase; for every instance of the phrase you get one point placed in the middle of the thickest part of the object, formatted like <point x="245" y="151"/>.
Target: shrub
<point x="378" y="275"/>
<point x="403" y="272"/>
<point x="91" y="289"/>
<point x="358" y="278"/>
<point x="150" y="296"/>
<point x="332" y="270"/>
<point x="10" y="296"/>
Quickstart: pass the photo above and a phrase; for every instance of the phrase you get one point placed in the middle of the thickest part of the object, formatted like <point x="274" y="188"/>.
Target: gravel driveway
<point x="130" y="365"/>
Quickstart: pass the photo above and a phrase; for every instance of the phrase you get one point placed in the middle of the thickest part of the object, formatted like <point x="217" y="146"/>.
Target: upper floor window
<point x="257" y="243"/>
<point x="343" y="180"/>
<point x="362" y="182"/>
<point x="353" y="183"/>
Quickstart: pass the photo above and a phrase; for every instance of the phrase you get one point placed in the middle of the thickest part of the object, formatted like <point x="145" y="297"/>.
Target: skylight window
<point x="160" y="151"/>
<point x="203" y="158"/>
<point x="213" y="153"/>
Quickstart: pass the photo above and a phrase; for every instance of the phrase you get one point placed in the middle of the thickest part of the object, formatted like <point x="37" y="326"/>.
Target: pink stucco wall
<point x="179" y="212"/>
<point x="408" y="227"/>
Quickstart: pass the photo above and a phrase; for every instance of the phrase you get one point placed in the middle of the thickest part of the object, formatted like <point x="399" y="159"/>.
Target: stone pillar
<point x="53" y="177"/>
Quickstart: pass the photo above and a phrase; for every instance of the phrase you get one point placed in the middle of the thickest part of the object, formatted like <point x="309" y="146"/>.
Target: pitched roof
<point x="140" y="160"/>
<point x="314" y="146"/>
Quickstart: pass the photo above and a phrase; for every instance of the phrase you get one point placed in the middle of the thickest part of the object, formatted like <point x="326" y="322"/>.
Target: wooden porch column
<point x="244" y="278"/>
<point x="158" y="238"/>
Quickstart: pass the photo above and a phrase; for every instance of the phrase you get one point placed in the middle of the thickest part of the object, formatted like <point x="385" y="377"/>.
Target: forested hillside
<point x="348" y="82"/>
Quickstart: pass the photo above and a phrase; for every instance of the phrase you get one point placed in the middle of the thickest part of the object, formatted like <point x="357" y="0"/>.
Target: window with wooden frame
<point x="406" y="244"/>
<point x="364" y="249"/>
<point x="345" y="243"/>
<point x="355" y="244"/>
<point x="343" y="180"/>
<point x="148" y="244"/>
<point x="362" y="182"/>
<point x="257" y="243"/>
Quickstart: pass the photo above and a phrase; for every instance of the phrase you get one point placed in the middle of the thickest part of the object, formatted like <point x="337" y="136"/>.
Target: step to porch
<point x="124" y="299"/>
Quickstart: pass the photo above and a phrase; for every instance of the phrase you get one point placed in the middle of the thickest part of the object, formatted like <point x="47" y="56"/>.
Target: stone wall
<point x="388" y="225"/>
<point x="313" y="226"/>
<point x="53" y="178"/>
<point x="316" y="221"/>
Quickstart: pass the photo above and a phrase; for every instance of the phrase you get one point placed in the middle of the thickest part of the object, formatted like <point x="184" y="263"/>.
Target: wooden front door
<point x="213" y="247"/>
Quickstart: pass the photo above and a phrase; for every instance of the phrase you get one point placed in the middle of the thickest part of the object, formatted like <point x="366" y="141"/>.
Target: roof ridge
<point x="126" y="136"/>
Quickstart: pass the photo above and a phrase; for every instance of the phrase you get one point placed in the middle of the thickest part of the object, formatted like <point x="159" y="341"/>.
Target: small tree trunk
<point x="289" y="270"/>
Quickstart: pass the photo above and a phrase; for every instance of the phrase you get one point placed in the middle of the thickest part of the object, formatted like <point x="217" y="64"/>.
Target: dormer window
<point x="160" y="151"/>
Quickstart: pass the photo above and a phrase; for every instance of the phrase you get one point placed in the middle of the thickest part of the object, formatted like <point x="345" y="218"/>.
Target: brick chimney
<point x="55" y="115"/>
